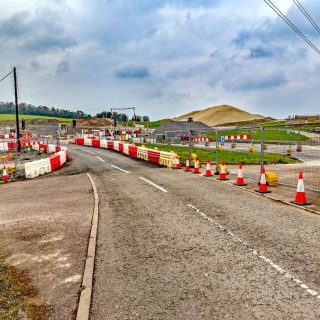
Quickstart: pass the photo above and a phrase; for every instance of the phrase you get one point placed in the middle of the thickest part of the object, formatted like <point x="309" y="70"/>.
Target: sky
<point x="165" y="58"/>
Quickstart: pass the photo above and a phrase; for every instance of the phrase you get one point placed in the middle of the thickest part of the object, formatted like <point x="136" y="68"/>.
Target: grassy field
<point x="150" y="125"/>
<point x="8" y="117"/>
<point x="269" y="135"/>
<point x="229" y="157"/>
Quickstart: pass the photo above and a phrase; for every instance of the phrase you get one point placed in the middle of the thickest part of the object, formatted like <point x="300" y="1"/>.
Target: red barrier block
<point x="121" y="147"/>
<point x="110" y="145"/>
<point x="43" y="146"/>
<point x="80" y="141"/>
<point x="11" y="145"/>
<point x="133" y="151"/>
<point x="154" y="156"/>
<point x="95" y="143"/>
<point x="54" y="162"/>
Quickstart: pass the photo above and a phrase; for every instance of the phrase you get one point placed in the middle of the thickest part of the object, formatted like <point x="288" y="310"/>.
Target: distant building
<point x="173" y="131"/>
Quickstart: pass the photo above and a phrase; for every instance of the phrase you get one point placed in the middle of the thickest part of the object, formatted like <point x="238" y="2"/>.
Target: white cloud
<point x="164" y="57"/>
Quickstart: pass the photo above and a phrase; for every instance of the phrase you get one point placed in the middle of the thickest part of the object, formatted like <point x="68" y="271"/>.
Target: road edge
<point x="83" y="312"/>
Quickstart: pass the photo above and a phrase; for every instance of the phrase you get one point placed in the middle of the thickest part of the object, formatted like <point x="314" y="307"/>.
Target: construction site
<point x="159" y="160"/>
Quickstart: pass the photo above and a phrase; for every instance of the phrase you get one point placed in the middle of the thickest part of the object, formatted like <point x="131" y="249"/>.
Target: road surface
<point x="173" y="245"/>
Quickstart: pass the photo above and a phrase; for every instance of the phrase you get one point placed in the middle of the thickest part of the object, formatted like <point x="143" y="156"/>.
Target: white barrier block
<point x="37" y="168"/>
<point x="104" y="144"/>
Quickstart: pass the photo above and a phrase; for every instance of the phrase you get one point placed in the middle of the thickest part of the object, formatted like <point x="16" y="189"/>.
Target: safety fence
<point x="51" y="163"/>
<point x="286" y="148"/>
<point x="139" y="152"/>
<point x="12" y="145"/>
<point x="7" y="136"/>
<point x="297" y="144"/>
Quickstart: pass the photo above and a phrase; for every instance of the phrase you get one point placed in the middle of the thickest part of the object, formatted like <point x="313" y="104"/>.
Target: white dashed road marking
<point x="89" y="152"/>
<point x="261" y="257"/>
<point x="153" y="184"/>
<point x="100" y="159"/>
<point x="119" y="168"/>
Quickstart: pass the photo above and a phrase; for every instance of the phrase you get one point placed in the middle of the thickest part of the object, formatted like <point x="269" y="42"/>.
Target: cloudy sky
<point x="163" y="57"/>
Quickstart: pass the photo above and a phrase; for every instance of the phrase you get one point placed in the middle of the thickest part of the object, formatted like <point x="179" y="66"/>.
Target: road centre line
<point x="89" y="152"/>
<point x="261" y="257"/>
<point x="119" y="168"/>
<point x="153" y="184"/>
<point x="100" y="159"/>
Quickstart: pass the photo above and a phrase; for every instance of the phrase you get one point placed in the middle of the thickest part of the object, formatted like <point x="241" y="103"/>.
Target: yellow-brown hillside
<point x="219" y="115"/>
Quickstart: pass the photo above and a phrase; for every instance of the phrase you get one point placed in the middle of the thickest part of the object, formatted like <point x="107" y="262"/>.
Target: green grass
<point x="8" y="117"/>
<point x="150" y="125"/>
<point x="16" y="295"/>
<point x="229" y="157"/>
<point x="269" y="135"/>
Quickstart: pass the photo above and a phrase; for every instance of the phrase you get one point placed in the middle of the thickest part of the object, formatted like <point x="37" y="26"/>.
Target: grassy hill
<point x="220" y="115"/>
<point x="11" y="117"/>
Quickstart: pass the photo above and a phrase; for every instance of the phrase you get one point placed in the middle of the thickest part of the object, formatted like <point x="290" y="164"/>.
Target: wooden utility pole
<point x="17" y="106"/>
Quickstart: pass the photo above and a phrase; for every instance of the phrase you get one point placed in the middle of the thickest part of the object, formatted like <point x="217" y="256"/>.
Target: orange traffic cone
<point x="196" y="167"/>
<point x="177" y="163"/>
<point x="208" y="169"/>
<point x="263" y="182"/>
<point x="240" y="179"/>
<point x="187" y="168"/>
<point x="4" y="175"/>
<point x="301" y="199"/>
<point x="223" y="174"/>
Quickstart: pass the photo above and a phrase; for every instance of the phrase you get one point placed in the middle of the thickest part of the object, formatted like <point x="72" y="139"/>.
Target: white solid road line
<point x="261" y="257"/>
<point x="119" y="168"/>
<point x="153" y="184"/>
<point x="100" y="159"/>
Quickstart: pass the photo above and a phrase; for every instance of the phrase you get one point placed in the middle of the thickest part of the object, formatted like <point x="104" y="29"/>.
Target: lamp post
<point x="190" y="142"/>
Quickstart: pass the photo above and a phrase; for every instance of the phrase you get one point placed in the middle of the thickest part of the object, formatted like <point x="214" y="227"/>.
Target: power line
<point x="6" y="75"/>
<point x="306" y="14"/>
<point x="292" y="25"/>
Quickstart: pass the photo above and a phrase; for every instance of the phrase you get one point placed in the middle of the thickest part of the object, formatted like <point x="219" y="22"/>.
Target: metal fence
<point x="282" y="148"/>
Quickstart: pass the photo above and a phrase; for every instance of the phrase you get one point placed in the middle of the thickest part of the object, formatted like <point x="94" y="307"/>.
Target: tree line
<point x="29" y="109"/>
<point x="121" y="116"/>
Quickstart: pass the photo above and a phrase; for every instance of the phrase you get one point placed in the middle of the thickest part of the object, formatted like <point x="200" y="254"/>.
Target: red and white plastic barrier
<point x="7" y="136"/>
<point x="51" y="163"/>
<point x="239" y="137"/>
<point x="150" y="155"/>
<point x="202" y="139"/>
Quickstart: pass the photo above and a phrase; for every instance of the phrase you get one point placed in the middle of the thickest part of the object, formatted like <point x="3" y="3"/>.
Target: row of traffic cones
<point x="300" y="198"/>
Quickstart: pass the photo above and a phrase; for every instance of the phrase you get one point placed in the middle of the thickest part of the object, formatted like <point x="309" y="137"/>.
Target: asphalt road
<point x="173" y="245"/>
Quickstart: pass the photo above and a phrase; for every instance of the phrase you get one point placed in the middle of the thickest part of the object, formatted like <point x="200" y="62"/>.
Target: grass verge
<point x="269" y="135"/>
<point x="18" y="297"/>
<point x="229" y="157"/>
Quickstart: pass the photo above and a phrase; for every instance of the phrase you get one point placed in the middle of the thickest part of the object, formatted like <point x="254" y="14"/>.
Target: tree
<point x="146" y="119"/>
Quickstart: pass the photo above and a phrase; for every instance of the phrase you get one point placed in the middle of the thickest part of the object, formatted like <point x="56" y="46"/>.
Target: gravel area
<point x="44" y="230"/>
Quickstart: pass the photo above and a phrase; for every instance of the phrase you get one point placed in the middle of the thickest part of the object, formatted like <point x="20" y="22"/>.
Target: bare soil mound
<point x="218" y="115"/>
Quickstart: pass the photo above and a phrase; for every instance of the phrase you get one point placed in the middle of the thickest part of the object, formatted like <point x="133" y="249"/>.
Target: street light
<point x="190" y="143"/>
